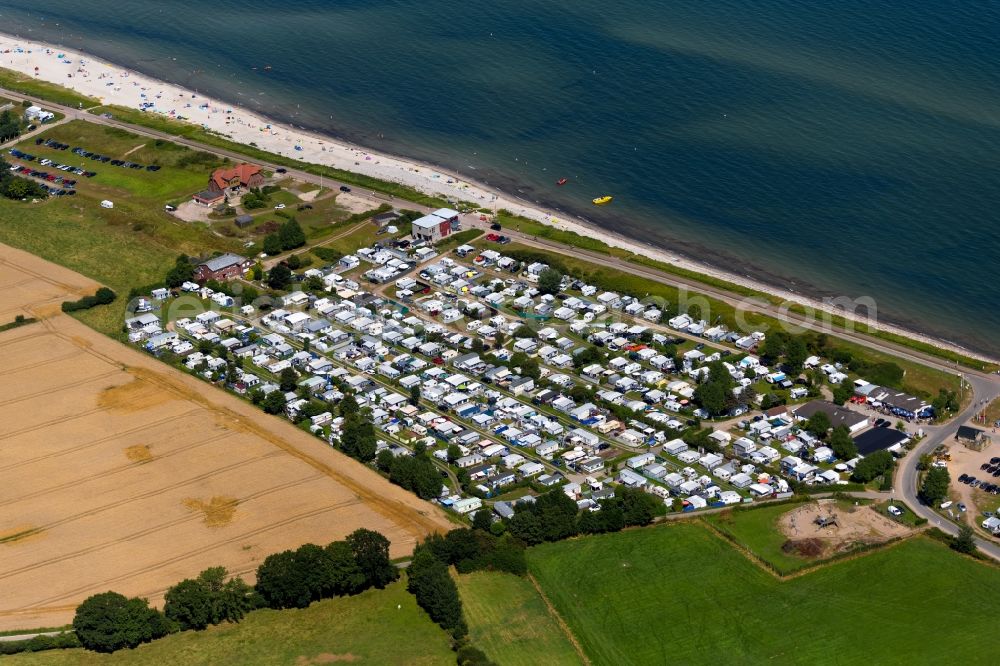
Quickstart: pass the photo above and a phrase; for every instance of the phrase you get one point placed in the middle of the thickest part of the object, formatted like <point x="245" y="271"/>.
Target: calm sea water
<point x="848" y="148"/>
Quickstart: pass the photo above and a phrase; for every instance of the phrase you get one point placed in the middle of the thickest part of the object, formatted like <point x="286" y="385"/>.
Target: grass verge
<point x="43" y="90"/>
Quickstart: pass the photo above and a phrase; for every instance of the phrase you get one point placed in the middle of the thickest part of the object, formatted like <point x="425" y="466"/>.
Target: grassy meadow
<point x="130" y="245"/>
<point x="374" y="627"/>
<point x="510" y="623"/>
<point x="680" y="594"/>
<point x="757" y="531"/>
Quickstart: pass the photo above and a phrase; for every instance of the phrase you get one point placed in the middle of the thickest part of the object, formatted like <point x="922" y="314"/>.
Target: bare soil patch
<point x="821" y="529"/>
<point x="228" y="485"/>
<point x="353" y="203"/>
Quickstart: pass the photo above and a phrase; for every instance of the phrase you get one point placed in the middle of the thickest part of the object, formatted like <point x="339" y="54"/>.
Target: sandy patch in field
<point x="190" y="211"/>
<point x="353" y="203"/>
<point x="122" y="473"/>
<point x="857" y="525"/>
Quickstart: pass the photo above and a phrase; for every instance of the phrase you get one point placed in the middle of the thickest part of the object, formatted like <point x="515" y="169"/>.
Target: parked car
<point x="345" y="188"/>
<point x="495" y="226"/>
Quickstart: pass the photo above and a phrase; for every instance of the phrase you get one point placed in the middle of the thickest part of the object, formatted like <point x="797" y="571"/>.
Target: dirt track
<point x="122" y="473"/>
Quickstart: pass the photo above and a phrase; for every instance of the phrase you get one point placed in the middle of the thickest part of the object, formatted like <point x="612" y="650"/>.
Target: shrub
<point x="102" y="296"/>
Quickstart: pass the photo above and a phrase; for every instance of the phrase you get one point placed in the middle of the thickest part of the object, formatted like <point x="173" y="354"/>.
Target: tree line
<point x="109" y="621"/>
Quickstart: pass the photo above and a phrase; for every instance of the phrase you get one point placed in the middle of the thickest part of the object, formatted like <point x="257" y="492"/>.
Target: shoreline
<point x="117" y="85"/>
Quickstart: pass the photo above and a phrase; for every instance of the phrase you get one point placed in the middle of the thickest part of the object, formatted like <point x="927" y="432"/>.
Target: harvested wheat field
<point x="820" y="529"/>
<point x="122" y="473"/>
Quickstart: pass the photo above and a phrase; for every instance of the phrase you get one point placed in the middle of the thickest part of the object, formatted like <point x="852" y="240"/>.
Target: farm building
<point x="224" y="267"/>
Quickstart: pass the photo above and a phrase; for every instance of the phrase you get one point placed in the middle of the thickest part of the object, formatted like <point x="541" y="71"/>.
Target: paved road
<point x="905" y="483"/>
<point x="25" y="637"/>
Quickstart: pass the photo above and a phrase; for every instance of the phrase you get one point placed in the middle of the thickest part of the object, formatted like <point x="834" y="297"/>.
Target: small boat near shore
<point x="562" y="181"/>
<point x="602" y="201"/>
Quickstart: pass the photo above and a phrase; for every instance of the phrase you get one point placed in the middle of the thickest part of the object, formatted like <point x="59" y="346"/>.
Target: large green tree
<point x="371" y="552"/>
<point x="818" y="424"/>
<point x="965" y="542"/>
<point x="357" y="437"/>
<point x="181" y="272"/>
<point x="346" y="576"/>
<point x="281" y="582"/>
<point x="279" y="277"/>
<point x="549" y="281"/>
<point x="208" y="599"/>
<point x="272" y="245"/>
<point x="873" y="466"/>
<point x="842" y="444"/>
<point x="291" y="235"/>
<point x="274" y="402"/>
<point x="109" y="621"/>
<point x="288" y="379"/>
<point x="935" y="485"/>
<point x="638" y="507"/>
<point x="714" y="393"/>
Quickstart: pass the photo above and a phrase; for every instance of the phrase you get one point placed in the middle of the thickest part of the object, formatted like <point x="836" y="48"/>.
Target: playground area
<point x="824" y="528"/>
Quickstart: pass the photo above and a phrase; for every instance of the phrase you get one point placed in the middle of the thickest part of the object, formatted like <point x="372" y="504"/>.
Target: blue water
<point x="843" y="148"/>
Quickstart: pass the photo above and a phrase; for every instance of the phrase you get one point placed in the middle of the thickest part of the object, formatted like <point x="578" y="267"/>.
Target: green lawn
<point x="757" y="531"/>
<point x="184" y="171"/>
<point x="680" y="594"/>
<point x="510" y="623"/>
<point x="375" y="627"/>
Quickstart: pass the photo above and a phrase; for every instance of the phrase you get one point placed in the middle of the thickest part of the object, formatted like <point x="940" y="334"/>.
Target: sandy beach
<point x="115" y="85"/>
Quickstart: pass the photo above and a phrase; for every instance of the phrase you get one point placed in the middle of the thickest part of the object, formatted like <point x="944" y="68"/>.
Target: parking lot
<point x="975" y="482"/>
